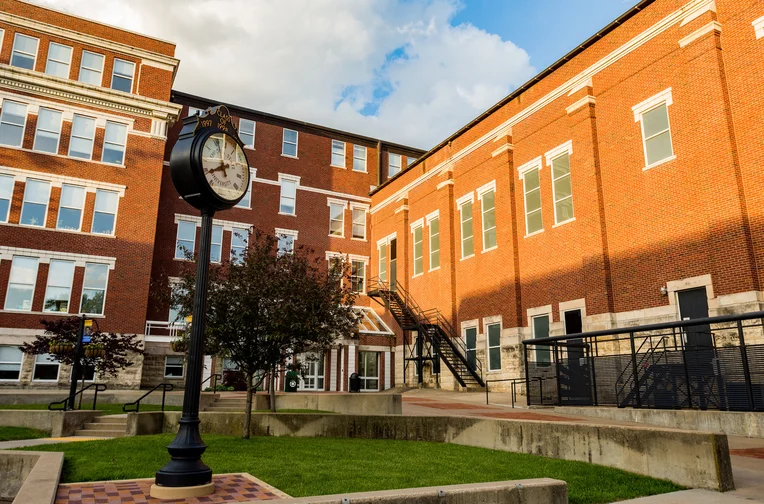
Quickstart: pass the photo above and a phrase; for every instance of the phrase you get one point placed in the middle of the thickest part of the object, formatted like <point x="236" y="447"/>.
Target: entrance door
<point x="575" y="377"/>
<point x="693" y="304"/>
<point x="574" y="325"/>
<point x="699" y="350"/>
<point x="470" y="341"/>
<point x="314" y="375"/>
<point x="393" y="264"/>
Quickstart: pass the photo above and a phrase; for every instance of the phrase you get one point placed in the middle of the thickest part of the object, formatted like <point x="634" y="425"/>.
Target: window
<point x="59" y="60"/>
<point x="383" y="262"/>
<point x="216" y="251"/>
<point x="410" y="160"/>
<point x="45" y="368"/>
<point x="10" y="363"/>
<point x="368" y="370"/>
<point x="657" y="135"/>
<point x="494" y="347"/>
<point x="393" y="164"/>
<point x="359" y="158"/>
<point x="289" y="143"/>
<point x="114" y="140"/>
<point x="88" y="370"/>
<point x="35" y="206"/>
<point x="70" y="207"/>
<point x="12" y="121"/>
<point x="122" y="75"/>
<point x="24" y="51"/>
<point x="561" y="188"/>
<point x="418" y="252"/>
<point x="468" y="245"/>
<point x="286" y="243"/>
<point x="533" y="222"/>
<point x="173" y="366"/>
<point x="488" y="207"/>
<point x="359" y="222"/>
<point x="184" y="244"/>
<point x="434" y="224"/>
<point x="21" y="284"/>
<point x="246" y="201"/>
<point x="59" y="288"/>
<point x="94" y="288"/>
<point x="105" y="213"/>
<point x="7" y="184"/>
<point x="358" y="276"/>
<point x="337" y="219"/>
<point x="239" y="239"/>
<point x="175" y="315"/>
<point x="91" y="68"/>
<point x="541" y="330"/>
<point x="470" y="342"/>
<point x="247" y="132"/>
<point x="81" y="142"/>
<point x="229" y="365"/>
<point x="338" y="154"/>
<point x="288" y="198"/>
<point x="48" y="132"/>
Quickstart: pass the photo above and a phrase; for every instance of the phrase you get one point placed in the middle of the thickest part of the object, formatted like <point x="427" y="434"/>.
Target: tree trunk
<point x="248" y="407"/>
<point x="272" y="388"/>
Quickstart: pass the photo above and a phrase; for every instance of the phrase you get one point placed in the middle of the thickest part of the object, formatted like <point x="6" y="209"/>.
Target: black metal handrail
<point x="99" y="387"/>
<point x="166" y="387"/>
<point x="513" y="385"/>
<point x="453" y="337"/>
<point x="214" y="377"/>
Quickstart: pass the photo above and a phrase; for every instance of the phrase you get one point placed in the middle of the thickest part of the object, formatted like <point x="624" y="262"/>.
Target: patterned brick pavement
<point x="228" y="488"/>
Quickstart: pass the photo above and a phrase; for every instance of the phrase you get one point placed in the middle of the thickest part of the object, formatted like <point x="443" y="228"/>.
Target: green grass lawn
<point x="107" y="408"/>
<point x="320" y="466"/>
<point x="14" y="433"/>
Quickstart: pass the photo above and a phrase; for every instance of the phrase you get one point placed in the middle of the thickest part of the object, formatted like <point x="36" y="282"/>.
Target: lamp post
<point x="79" y="350"/>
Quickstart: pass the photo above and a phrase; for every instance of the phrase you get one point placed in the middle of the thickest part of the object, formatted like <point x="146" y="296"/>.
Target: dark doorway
<point x="393" y="265"/>
<point x="699" y="354"/>
<point x="574" y="325"/>
<point x="693" y="304"/>
<point x="575" y="382"/>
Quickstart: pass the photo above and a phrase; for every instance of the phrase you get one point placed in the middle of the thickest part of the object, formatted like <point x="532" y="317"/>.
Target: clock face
<point x="225" y="167"/>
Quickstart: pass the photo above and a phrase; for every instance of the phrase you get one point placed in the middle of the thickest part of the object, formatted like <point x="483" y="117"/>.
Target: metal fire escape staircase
<point x="433" y="328"/>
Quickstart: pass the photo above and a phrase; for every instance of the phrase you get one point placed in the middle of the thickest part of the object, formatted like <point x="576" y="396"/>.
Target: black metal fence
<point x="710" y="363"/>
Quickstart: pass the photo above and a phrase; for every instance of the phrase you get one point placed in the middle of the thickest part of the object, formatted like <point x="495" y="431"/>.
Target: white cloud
<point x="393" y="69"/>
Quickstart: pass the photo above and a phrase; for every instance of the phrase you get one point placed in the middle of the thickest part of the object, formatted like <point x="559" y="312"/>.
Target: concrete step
<point x="215" y="408"/>
<point x="99" y="433"/>
<point x="110" y="420"/>
<point x="105" y="426"/>
<point x="230" y="402"/>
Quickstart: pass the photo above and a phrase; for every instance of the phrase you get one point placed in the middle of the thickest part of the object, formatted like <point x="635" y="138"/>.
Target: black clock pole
<point x="186" y="468"/>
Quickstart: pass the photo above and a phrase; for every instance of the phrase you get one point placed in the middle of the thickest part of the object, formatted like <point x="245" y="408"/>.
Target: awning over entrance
<point x="371" y="323"/>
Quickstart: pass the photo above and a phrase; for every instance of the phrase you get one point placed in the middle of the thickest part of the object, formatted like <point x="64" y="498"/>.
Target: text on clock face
<point x="224" y="165"/>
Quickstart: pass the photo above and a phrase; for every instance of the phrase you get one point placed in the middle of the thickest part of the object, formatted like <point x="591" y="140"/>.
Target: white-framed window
<point x="13" y="119"/>
<point x="94" y="288"/>
<point x="24" y="53"/>
<point x="59" y="287"/>
<point x="81" y="141"/>
<point x="91" y="68"/>
<point x="246" y="201"/>
<point x="114" y="140"/>
<point x="10" y="363"/>
<point x="288" y="198"/>
<point x="229" y="365"/>
<point x="289" y="143"/>
<point x="216" y="250"/>
<point x="70" y="207"/>
<point x="382" y="250"/>
<point x="337" y="218"/>
<point x="46" y="368"/>
<point x="416" y="231"/>
<point x="59" y="60"/>
<point x="562" y="189"/>
<point x="359" y="158"/>
<point x="532" y="198"/>
<point x="185" y="239"/>
<point x="122" y="75"/>
<point x="21" y="283"/>
<point x="758" y="28"/>
<point x="465" y="212"/>
<point x="338" y="153"/>
<point x="368" y="370"/>
<point x="359" y="221"/>
<point x="653" y="116"/>
<point x="7" y="185"/>
<point x="105" y="212"/>
<point x="433" y="223"/>
<point x="358" y="275"/>
<point x="239" y="240"/>
<point x="286" y="239"/>
<point x="487" y="195"/>
<point x="393" y="164"/>
<point x="540" y="329"/>
<point x="48" y="134"/>
<point x="34" y="209"/>
<point x="247" y="132"/>
<point x="410" y="160"/>
<point x="493" y="339"/>
<point x="173" y="366"/>
<point x="175" y="316"/>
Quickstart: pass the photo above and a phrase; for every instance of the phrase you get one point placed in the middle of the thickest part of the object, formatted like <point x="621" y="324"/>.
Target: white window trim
<point x="47" y="204"/>
<point x="21" y="362"/>
<point x="82" y="208"/>
<point x="37" y="129"/>
<point x="114" y="71"/>
<point x="664" y="97"/>
<point x="105" y="290"/>
<point x="2" y="37"/>
<point x="573" y="305"/>
<point x="92" y="139"/>
<point x="539" y="310"/>
<point x="336" y="202"/>
<point x="249" y="190"/>
<point x="82" y="63"/>
<point x="758" y="27"/>
<point x="487" y="321"/>
<point x="418" y="224"/>
<point x="428" y="218"/>
<point x="482" y="190"/>
<point x="470" y="324"/>
<point x="530" y="165"/>
<point x="47" y="286"/>
<point x="13" y="190"/>
<point x="296" y="143"/>
<point x="234" y="231"/>
<point x="289" y="178"/>
<point x="36" y="51"/>
<point x="34" y="285"/>
<point x="460" y="202"/>
<point x="365" y="158"/>
<point x="527" y="169"/>
<point x="34" y="366"/>
<point x="286" y="232"/>
<point x="565" y="148"/>
<point x="116" y="214"/>
<point x="254" y="132"/>
<point x="26" y="120"/>
<point x="212" y="243"/>
<point x="103" y="145"/>
<point x="389" y="164"/>
<point x="68" y="63"/>
<point x="365" y="261"/>
<point x="91" y="186"/>
<point x="344" y="154"/>
<point x="365" y="208"/>
<point x="550" y="156"/>
<point x="182" y="369"/>
<point x="177" y="231"/>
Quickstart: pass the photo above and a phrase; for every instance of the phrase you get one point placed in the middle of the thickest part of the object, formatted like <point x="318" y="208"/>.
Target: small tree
<point x="267" y="306"/>
<point x="60" y="340"/>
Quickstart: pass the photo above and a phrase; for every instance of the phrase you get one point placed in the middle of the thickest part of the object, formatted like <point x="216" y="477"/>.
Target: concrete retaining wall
<point x="732" y="423"/>
<point x="58" y="423"/>
<point x="30" y="477"/>
<point x="353" y="404"/>
<point x="693" y="459"/>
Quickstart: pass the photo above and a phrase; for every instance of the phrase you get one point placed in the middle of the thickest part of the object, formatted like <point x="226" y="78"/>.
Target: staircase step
<point x="215" y="408"/>
<point x="110" y="420"/>
<point x="99" y="433"/>
<point x="105" y="426"/>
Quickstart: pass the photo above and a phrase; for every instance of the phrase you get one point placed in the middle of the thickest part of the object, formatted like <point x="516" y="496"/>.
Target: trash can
<point x="292" y="381"/>
<point x="355" y="383"/>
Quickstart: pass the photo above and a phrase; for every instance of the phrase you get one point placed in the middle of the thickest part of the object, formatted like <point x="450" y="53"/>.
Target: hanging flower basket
<point x="179" y="345"/>
<point x="61" y="347"/>
<point x="94" y="351"/>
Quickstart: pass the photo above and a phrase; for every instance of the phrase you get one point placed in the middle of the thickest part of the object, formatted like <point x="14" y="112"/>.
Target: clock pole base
<point x="163" y="492"/>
